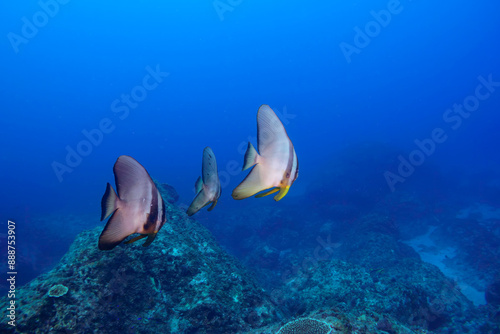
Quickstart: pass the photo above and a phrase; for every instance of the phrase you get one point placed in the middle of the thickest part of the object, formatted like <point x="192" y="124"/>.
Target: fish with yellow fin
<point x="276" y="167"/>
<point x="137" y="208"/>
<point x="207" y="186"/>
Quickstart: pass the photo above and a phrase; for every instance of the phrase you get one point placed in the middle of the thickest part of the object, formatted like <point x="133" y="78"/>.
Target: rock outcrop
<point x="183" y="283"/>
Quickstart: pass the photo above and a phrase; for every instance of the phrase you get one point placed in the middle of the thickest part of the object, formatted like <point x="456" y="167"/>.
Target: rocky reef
<point x="340" y="262"/>
<point x="342" y="255"/>
<point x="358" y="277"/>
<point x="182" y="283"/>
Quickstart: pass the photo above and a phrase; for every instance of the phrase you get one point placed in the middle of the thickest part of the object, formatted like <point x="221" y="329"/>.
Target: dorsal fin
<point x="131" y="179"/>
<point x="271" y="134"/>
<point x="209" y="167"/>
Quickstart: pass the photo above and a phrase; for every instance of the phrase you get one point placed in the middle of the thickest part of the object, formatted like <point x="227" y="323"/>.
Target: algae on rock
<point x="183" y="283"/>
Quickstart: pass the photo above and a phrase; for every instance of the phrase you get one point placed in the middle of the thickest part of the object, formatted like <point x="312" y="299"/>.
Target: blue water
<point x="224" y="59"/>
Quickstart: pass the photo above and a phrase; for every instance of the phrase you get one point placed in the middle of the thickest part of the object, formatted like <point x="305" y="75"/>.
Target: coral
<point x="336" y="321"/>
<point x="57" y="291"/>
<point x="407" y="290"/>
<point x="182" y="283"/>
<point x="305" y="326"/>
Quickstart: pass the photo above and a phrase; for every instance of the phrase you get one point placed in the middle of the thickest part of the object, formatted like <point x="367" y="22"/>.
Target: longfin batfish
<point x="207" y="186"/>
<point x="276" y="167"/>
<point x="137" y="208"/>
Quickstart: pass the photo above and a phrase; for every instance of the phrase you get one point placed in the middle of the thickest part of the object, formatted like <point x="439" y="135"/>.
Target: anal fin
<point x="200" y="201"/>
<point x="251" y="185"/>
<point x="116" y="230"/>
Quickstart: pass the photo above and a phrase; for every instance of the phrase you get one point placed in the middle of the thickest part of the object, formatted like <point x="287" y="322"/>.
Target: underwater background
<point x="393" y="110"/>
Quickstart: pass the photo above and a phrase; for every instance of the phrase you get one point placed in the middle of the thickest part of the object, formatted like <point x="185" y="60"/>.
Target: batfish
<point x="208" y="185"/>
<point x="137" y="208"/>
<point x="276" y="167"/>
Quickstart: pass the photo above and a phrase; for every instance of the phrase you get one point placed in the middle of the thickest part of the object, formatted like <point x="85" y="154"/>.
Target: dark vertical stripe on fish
<point x="296" y="168"/>
<point x="153" y="213"/>
<point x="289" y="165"/>
<point x="163" y="213"/>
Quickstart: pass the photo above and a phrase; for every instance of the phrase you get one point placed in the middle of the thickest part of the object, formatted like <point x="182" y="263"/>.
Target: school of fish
<point x="138" y="208"/>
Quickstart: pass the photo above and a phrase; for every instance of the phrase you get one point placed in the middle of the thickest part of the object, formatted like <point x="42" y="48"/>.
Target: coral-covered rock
<point x="408" y="212"/>
<point x="305" y="326"/>
<point x="341" y="322"/>
<point x="414" y="293"/>
<point x="492" y="293"/>
<point x="57" y="291"/>
<point x="182" y="283"/>
<point x="372" y="243"/>
<point x="168" y="192"/>
<point x="265" y="257"/>
<point x="476" y="245"/>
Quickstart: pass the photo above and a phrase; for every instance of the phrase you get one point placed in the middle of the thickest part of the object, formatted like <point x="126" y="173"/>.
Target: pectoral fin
<point x="282" y="193"/>
<point x="198" y="185"/>
<point x="108" y="202"/>
<point x="251" y="157"/>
